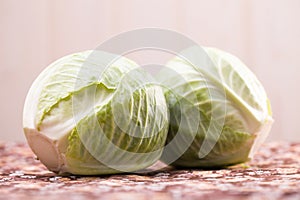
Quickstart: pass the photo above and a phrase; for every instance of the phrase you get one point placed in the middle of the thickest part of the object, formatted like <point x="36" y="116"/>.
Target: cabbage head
<point x="95" y="113"/>
<point x="219" y="111"/>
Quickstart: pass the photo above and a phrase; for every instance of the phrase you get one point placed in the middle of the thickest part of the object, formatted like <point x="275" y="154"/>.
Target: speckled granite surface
<point x="274" y="173"/>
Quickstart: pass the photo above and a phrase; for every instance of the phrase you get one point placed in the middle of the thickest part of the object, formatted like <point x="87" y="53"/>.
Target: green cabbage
<point x="97" y="113"/>
<point x="90" y="113"/>
<point x="219" y="111"/>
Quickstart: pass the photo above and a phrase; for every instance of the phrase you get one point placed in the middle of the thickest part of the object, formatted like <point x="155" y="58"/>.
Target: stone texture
<point x="274" y="173"/>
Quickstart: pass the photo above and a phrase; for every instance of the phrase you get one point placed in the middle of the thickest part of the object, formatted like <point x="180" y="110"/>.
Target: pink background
<point x="265" y="34"/>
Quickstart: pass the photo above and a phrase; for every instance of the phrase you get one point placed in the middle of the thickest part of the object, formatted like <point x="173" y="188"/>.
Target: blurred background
<point x="264" y="34"/>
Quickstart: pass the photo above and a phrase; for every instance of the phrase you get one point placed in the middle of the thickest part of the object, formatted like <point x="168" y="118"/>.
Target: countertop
<point x="274" y="173"/>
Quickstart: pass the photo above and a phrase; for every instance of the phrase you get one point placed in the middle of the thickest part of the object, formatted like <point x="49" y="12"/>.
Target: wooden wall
<point x="265" y="34"/>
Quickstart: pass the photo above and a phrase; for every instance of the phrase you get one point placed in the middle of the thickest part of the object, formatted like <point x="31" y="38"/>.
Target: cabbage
<point x="219" y="111"/>
<point x="95" y="113"/>
<point x="92" y="113"/>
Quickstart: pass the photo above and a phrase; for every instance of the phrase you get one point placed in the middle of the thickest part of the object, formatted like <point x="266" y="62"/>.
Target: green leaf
<point x="99" y="145"/>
